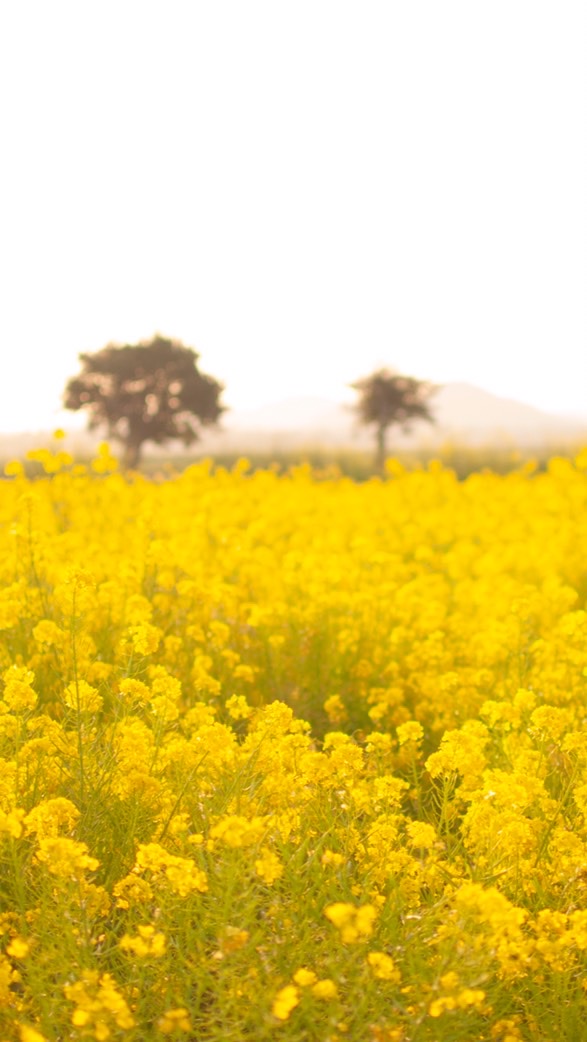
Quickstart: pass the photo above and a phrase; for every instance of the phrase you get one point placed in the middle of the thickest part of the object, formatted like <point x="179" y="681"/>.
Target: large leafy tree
<point x="151" y="391"/>
<point x="388" y="399"/>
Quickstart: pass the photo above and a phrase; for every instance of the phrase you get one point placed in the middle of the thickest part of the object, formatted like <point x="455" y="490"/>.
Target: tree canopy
<point x="388" y="399"/>
<point x="151" y="391"/>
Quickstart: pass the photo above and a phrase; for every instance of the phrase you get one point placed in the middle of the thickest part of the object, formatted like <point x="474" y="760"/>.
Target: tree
<point x="387" y="399"/>
<point x="151" y="391"/>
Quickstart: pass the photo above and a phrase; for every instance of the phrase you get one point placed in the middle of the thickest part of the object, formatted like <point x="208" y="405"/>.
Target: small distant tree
<point x="151" y="391"/>
<point x="388" y="399"/>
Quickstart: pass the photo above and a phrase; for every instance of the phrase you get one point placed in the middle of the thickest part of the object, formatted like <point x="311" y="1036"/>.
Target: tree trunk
<point x="381" y="449"/>
<point x="132" y="454"/>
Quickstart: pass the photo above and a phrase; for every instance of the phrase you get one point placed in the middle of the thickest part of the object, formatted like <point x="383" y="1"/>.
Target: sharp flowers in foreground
<point x="293" y="758"/>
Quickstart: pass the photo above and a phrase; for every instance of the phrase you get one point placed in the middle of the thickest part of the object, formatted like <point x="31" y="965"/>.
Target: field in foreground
<point x="288" y="758"/>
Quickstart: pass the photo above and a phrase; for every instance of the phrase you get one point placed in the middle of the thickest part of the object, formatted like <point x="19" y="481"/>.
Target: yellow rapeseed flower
<point x="354" y="923"/>
<point x="324" y="989"/>
<point x="30" y="1034"/>
<point x="174" y="1020"/>
<point x="18" y="948"/>
<point x="383" y="967"/>
<point x="285" y="1001"/>
<point x="147" y="943"/>
<point x="304" y="977"/>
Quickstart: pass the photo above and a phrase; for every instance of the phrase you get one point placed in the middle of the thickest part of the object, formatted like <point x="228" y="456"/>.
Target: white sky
<point x="299" y="189"/>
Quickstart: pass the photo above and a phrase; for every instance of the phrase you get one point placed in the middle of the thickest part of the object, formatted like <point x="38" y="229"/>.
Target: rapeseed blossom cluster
<point x="288" y="757"/>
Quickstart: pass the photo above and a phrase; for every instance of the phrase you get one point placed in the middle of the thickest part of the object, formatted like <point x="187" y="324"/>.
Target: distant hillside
<point x="462" y="407"/>
<point x="463" y="413"/>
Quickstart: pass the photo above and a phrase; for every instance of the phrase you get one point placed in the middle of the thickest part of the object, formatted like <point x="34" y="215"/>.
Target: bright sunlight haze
<point x="301" y="192"/>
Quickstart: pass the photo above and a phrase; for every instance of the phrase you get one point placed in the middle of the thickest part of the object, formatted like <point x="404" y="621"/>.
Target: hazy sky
<point x="299" y="190"/>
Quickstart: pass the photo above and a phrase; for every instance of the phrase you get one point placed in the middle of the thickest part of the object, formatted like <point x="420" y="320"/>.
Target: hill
<point x="463" y="413"/>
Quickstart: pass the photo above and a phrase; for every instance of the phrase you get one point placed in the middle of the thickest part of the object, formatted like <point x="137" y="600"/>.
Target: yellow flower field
<point x="293" y="758"/>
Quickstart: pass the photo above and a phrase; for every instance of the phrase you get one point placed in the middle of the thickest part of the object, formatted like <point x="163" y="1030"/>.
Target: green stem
<point x="80" y="744"/>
